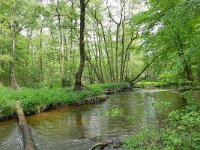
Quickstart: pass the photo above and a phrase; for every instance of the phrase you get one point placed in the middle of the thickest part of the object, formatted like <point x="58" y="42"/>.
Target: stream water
<point x="79" y="128"/>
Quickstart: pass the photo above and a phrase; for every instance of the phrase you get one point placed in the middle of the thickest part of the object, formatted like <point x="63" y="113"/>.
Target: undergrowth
<point x="37" y="100"/>
<point x="152" y="84"/>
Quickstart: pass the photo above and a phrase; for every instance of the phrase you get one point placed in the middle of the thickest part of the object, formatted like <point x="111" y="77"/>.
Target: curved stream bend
<point x="79" y="128"/>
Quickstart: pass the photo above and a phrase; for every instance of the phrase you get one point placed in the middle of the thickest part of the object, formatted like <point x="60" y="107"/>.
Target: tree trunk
<point x="122" y="55"/>
<point x="143" y="70"/>
<point x="107" y="54"/>
<point x="93" y="66"/>
<point x="62" y="58"/>
<point x="112" y="54"/>
<point x="78" y="81"/>
<point x="116" y="52"/>
<point x="100" y="55"/>
<point x="28" y="141"/>
<point x="41" y="57"/>
<point x="13" y="82"/>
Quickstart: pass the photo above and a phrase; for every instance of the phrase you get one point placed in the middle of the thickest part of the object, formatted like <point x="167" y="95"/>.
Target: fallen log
<point x="25" y="129"/>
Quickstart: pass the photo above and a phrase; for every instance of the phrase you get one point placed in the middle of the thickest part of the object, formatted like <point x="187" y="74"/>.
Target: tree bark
<point x="78" y="82"/>
<point x="106" y="50"/>
<point x="122" y="55"/>
<point x="13" y="82"/>
<point x="25" y="129"/>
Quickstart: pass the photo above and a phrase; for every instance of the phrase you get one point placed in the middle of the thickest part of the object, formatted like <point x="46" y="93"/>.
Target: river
<point x="79" y="128"/>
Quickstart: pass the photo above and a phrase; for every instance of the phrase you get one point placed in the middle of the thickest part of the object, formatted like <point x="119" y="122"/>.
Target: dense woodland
<point x="58" y="53"/>
<point x="40" y="41"/>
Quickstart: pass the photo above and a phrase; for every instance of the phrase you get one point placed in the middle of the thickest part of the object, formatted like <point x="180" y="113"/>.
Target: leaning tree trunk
<point x="78" y="82"/>
<point x="133" y="81"/>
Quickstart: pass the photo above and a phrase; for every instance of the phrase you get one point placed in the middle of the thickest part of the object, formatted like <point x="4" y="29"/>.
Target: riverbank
<point x="152" y="84"/>
<point x="182" y="130"/>
<point x="38" y="100"/>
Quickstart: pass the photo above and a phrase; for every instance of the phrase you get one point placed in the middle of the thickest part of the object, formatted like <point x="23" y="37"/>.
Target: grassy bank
<point x="38" y="100"/>
<point x="182" y="130"/>
<point x="150" y="84"/>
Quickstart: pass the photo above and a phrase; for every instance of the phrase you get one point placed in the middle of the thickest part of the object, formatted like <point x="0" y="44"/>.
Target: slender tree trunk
<point x="78" y="82"/>
<point x="143" y="70"/>
<point x="94" y="67"/>
<point x="13" y="82"/>
<point x="107" y="53"/>
<point x="41" y="57"/>
<point x="122" y="55"/>
<point x="62" y="57"/>
<point x="100" y="55"/>
<point x="112" y="55"/>
<point x="71" y="33"/>
<point x="96" y="56"/>
<point x="116" y="53"/>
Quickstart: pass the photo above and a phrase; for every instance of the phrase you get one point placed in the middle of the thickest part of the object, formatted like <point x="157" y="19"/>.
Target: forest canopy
<point x="123" y="41"/>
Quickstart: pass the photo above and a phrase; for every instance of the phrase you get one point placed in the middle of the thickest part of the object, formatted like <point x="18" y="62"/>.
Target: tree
<point x="16" y="18"/>
<point x="78" y="82"/>
<point x="169" y="28"/>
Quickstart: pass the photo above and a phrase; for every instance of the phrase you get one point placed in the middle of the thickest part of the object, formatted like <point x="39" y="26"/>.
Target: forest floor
<point x="38" y="100"/>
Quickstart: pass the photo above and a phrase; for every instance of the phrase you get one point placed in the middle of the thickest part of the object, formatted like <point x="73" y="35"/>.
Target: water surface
<point x="79" y="128"/>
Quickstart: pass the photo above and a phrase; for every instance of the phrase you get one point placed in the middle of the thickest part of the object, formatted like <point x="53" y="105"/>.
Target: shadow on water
<point x="79" y="128"/>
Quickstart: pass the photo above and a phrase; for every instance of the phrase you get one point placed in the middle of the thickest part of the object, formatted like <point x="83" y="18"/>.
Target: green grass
<point x="38" y="100"/>
<point x="152" y="83"/>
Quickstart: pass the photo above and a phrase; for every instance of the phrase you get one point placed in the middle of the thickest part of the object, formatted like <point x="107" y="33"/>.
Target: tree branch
<point x="87" y="2"/>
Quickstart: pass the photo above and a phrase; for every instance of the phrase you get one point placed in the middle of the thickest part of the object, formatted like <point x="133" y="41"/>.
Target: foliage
<point x="144" y="140"/>
<point x="47" y="43"/>
<point x="161" y="106"/>
<point x="170" y="29"/>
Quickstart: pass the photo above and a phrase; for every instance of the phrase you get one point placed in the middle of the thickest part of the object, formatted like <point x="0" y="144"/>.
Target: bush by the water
<point x="37" y="100"/>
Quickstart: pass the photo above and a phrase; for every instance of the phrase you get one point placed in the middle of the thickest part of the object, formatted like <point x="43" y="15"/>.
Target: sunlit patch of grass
<point x="152" y="83"/>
